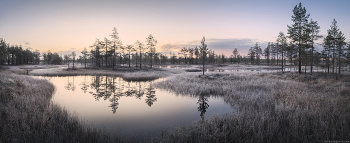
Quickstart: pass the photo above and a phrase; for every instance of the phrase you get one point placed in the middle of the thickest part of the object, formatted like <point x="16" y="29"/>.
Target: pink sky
<point x="65" y="26"/>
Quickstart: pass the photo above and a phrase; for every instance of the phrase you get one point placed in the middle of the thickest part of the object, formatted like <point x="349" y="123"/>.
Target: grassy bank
<point x="126" y="74"/>
<point x="28" y="116"/>
<point x="269" y="109"/>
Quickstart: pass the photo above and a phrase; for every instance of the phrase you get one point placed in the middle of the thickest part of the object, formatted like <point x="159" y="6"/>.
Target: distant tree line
<point x="16" y="55"/>
<point x="299" y="50"/>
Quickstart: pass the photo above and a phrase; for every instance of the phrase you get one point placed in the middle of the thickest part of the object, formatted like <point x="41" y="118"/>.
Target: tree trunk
<point x="203" y="63"/>
<point x="277" y="52"/>
<point x="299" y="70"/>
<point x="113" y="55"/>
<point x="339" y="61"/>
<point x="85" y="62"/>
<point x="140" y="59"/>
<point x="282" y="55"/>
<point x="151" y="60"/>
<point x="129" y="59"/>
<point x="136" y="59"/>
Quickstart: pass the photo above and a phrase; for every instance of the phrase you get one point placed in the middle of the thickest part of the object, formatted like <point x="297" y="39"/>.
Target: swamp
<point x="174" y="71"/>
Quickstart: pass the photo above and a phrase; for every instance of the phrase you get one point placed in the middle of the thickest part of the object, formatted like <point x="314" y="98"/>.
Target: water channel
<point x="136" y="108"/>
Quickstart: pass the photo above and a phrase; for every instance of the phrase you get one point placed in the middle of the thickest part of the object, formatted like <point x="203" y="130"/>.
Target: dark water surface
<point x="131" y="107"/>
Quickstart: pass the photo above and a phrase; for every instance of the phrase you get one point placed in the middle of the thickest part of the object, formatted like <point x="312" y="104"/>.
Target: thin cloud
<point x="66" y="23"/>
<point x="62" y="53"/>
<point x="173" y="47"/>
<point x="26" y="43"/>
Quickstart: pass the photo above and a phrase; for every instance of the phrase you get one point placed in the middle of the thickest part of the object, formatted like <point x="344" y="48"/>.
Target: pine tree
<point x="151" y="43"/>
<point x="327" y="51"/>
<point x="2" y="50"/>
<point x="251" y="55"/>
<point x="335" y="42"/>
<point x="291" y="51"/>
<point x="258" y="53"/>
<point x="235" y="53"/>
<point x="196" y="52"/>
<point x="340" y="48"/>
<point x="96" y="51"/>
<point x="273" y="52"/>
<point x="314" y="30"/>
<point x="115" y="43"/>
<point x="66" y="58"/>
<point x="203" y="50"/>
<point x="73" y="55"/>
<point x="183" y="51"/>
<point x="283" y="40"/>
<point x="267" y="53"/>
<point x="129" y="48"/>
<point x="140" y="47"/>
<point x="296" y="31"/>
<point x="107" y="48"/>
<point x="191" y="52"/>
<point x="85" y="54"/>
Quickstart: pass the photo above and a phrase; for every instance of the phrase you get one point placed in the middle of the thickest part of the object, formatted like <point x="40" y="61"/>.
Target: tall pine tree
<point x="296" y="31"/>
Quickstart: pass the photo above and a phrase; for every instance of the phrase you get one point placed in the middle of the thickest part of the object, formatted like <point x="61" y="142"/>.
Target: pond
<point x="136" y="108"/>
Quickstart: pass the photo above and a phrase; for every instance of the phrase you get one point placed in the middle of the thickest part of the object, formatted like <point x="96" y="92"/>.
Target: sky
<point x="65" y="26"/>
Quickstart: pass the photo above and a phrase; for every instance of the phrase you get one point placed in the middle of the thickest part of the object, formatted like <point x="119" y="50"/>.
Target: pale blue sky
<point x="72" y="25"/>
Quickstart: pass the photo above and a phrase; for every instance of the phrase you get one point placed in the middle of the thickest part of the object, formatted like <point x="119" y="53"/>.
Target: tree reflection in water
<point x="70" y="85"/>
<point x="151" y="95"/>
<point x="203" y="105"/>
<point x="84" y="85"/>
<point x="113" y="88"/>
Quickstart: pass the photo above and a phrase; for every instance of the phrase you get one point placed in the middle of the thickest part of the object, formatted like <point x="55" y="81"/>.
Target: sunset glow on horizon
<point x="65" y="26"/>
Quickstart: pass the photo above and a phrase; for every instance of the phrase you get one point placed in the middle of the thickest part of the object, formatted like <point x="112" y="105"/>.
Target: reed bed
<point x="268" y="109"/>
<point x="28" y="116"/>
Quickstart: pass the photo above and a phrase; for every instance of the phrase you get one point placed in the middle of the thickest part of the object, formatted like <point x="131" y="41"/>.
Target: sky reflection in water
<point x="134" y="107"/>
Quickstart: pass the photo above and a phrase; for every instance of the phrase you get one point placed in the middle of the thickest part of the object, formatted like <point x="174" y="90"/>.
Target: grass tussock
<point x="268" y="109"/>
<point x="28" y="116"/>
<point x="193" y="70"/>
<point x="144" y="76"/>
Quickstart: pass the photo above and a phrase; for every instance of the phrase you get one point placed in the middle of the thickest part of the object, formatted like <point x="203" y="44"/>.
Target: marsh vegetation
<point x="267" y="106"/>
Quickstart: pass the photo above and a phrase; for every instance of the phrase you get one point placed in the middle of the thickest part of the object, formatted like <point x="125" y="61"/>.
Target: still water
<point x="136" y="108"/>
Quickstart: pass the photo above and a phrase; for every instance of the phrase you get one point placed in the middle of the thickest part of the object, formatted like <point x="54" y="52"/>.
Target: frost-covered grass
<point x="134" y="75"/>
<point x="28" y="116"/>
<point x="268" y="109"/>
